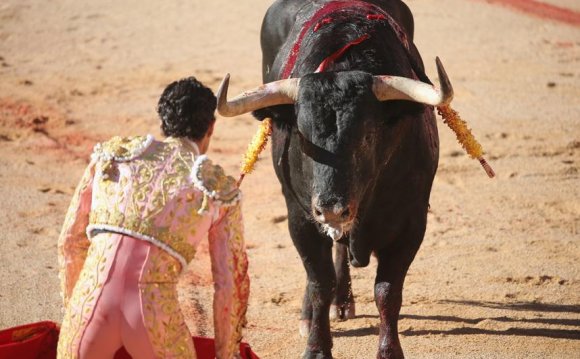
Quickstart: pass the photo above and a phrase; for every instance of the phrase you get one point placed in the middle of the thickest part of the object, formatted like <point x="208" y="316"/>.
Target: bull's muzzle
<point x="334" y="214"/>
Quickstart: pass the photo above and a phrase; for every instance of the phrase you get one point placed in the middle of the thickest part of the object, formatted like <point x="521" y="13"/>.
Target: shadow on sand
<point x="541" y="328"/>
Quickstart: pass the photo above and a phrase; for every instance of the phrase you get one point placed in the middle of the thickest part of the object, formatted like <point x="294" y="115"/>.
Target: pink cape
<point x="38" y="341"/>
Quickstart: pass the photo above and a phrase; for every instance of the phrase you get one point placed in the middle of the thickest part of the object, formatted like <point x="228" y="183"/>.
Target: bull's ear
<point x="279" y="113"/>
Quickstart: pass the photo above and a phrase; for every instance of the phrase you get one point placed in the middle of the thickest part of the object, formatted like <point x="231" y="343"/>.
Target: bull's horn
<point x="270" y="94"/>
<point x="402" y="88"/>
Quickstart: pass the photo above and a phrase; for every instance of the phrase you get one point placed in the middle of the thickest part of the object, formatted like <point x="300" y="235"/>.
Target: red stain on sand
<point x="542" y="10"/>
<point x="43" y="128"/>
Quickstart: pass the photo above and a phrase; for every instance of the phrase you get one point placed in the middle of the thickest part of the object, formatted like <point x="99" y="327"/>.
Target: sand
<point x="498" y="275"/>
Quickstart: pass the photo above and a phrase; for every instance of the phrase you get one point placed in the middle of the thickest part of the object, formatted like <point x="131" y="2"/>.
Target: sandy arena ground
<point x="498" y="275"/>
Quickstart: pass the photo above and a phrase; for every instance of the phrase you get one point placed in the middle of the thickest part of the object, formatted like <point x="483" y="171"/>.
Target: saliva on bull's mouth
<point x="334" y="228"/>
<point x="336" y="232"/>
<point x="335" y="219"/>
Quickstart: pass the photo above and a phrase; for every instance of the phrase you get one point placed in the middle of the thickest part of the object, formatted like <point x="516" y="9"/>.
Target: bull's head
<point x="340" y="121"/>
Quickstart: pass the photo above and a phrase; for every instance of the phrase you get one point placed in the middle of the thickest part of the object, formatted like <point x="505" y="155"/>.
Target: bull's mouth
<point x="337" y="231"/>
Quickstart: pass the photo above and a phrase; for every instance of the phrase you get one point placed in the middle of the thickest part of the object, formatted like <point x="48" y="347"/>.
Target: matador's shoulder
<point x="213" y="182"/>
<point x="122" y="149"/>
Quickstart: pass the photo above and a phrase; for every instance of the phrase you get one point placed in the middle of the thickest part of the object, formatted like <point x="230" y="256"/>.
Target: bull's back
<point x="281" y="20"/>
<point x="276" y="26"/>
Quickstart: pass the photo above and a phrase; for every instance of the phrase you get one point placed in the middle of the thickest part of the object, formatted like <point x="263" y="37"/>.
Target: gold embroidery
<point x="166" y="326"/>
<point x="239" y="265"/>
<point x="123" y="148"/>
<point x="85" y="294"/>
<point x="74" y="205"/>
<point x="213" y="181"/>
<point x="157" y="177"/>
<point x="135" y="223"/>
<point x="72" y="241"/>
<point x="119" y="149"/>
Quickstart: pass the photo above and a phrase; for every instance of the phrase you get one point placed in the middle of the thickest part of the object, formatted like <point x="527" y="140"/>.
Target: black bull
<point x="355" y="148"/>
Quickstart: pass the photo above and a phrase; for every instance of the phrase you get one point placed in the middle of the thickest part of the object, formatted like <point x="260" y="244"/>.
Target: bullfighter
<point x="138" y="214"/>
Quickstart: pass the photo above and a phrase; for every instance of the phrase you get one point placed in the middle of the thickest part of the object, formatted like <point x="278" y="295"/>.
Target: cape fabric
<point x="39" y="340"/>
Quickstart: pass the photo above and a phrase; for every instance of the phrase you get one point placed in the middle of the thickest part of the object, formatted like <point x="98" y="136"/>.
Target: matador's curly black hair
<point x="186" y="109"/>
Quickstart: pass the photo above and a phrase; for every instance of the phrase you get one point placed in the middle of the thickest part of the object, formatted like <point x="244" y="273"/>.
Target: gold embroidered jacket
<point x="165" y="193"/>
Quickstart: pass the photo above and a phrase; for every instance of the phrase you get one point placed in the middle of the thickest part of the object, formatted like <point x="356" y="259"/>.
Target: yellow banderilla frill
<point x="450" y="117"/>
<point x="464" y="136"/>
<point x="255" y="147"/>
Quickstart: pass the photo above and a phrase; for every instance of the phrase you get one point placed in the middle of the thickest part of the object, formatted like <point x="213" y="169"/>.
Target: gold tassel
<point x="464" y="136"/>
<point x="257" y="145"/>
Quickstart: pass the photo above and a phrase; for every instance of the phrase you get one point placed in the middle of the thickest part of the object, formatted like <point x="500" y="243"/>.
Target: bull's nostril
<point x="317" y="212"/>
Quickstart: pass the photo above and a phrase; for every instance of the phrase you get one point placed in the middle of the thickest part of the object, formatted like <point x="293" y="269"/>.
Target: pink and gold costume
<point x="137" y="216"/>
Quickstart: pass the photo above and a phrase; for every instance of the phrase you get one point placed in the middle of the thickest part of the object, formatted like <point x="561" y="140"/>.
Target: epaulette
<point x="214" y="183"/>
<point x="120" y="149"/>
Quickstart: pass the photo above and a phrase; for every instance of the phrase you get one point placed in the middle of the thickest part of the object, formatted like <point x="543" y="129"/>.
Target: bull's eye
<point x="346" y="213"/>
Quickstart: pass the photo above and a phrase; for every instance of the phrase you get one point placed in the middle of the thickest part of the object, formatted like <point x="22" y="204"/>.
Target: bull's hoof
<point x="316" y="355"/>
<point x="334" y="312"/>
<point x="304" y="328"/>
<point x="342" y="312"/>
<point x="390" y="352"/>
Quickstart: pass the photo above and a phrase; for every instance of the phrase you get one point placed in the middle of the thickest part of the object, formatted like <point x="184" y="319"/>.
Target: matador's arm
<point x="231" y="281"/>
<point x="73" y="243"/>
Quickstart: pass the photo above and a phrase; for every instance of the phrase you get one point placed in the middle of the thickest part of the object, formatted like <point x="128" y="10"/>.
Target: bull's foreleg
<point x="388" y="300"/>
<point x="306" y="314"/>
<point x="342" y="307"/>
<point x="315" y="323"/>
<point x="316" y="254"/>
<point x="391" y="271"/>
<point x="319" y="343"/>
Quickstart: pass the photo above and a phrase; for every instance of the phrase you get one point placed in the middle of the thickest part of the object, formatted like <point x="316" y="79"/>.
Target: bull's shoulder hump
<point x="212" y="180"/>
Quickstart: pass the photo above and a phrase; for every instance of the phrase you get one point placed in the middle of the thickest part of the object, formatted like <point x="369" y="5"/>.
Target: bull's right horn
<point x="273" y="93"/>
<point x="402" y="88"/>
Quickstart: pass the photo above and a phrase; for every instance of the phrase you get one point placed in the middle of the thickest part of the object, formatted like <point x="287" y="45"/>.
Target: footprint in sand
<point x="537" y="280"/>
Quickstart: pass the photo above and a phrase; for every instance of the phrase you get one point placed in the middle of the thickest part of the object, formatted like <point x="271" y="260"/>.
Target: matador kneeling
<point x="140" y="211"/>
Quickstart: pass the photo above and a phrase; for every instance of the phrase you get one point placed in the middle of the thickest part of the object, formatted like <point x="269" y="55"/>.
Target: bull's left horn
<point x="270" y="94"/>
<point x="402" y="88"/>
